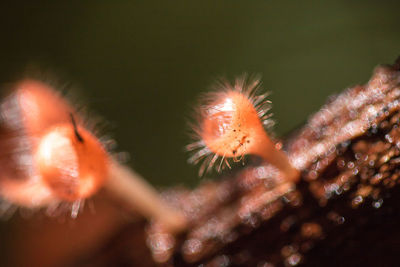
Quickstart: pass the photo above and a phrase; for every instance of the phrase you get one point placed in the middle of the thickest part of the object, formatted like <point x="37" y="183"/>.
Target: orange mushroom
<point x="231" y="125"/>
<point x="48" y="156"/>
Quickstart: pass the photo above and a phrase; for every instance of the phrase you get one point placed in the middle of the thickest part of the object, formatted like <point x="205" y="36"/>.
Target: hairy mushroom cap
<point x="72" y="162"/>
<point x="231" y="124"/>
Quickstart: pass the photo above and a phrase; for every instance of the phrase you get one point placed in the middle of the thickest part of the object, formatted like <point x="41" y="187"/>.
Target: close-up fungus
<point x="49" y="157"/>
<point x="231" y="125"/>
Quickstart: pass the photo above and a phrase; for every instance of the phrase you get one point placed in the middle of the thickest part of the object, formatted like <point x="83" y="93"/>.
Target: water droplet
<point x="350" y="165"/>
<point x="293" y="260"/>
<point x="377" y="204"/>
<point x="389" y="138"/>
<point x="335" y="217"/>
<point x="357" y="201"/>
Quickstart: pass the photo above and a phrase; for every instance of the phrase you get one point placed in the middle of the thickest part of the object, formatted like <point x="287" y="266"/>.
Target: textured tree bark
<point x="345" y="211"/>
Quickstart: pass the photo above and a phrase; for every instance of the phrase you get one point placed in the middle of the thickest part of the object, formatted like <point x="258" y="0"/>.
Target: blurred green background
<point x="142" y="64"/>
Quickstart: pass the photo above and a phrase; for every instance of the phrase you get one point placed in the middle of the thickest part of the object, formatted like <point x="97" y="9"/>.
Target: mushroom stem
<point x="278" y="159"/>
<point x="132" y="188"/>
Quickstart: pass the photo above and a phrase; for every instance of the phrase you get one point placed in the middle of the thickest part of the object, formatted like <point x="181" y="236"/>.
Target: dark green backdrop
<point x="142" y="64"/>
